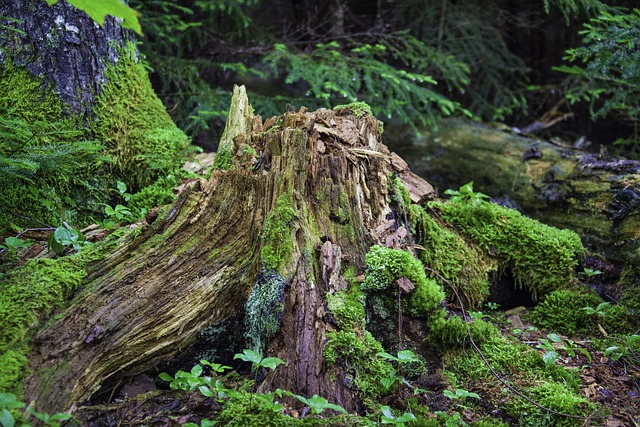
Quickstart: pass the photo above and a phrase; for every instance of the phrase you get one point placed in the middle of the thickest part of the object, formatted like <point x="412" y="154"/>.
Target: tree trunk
<point x="595" y="195"/>
<point x="63" y="44"/>
<point x="264" y="240"/>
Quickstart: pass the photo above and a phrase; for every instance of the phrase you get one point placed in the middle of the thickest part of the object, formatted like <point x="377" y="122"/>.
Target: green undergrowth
<point x="549" y="385"/>
<point x="28" y="294"/>
<point x="55" y="167"/>
<point x="353" y="347"/>
<point x="563" y="311"/>
<point x="541" y="258"/>
<point x="43" y="156"/>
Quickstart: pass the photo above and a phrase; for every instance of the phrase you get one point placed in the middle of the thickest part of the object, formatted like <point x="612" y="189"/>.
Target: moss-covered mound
<point x="540" y="258"/>
<point x="55" y="167"/>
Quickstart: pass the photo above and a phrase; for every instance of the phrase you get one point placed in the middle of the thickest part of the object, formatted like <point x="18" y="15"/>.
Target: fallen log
<point x="594" y="194"/>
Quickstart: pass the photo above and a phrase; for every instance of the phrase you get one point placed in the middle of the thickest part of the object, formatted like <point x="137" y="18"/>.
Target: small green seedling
<point x="451" y="420"/>
<point x="598" y="311"/>
<point x="189" y="381"/>
<point x="404" y="356"/>
<point x="460" y="394"/>
<point x="590" y="272"/>
<point x="64" y="236"/>
<point x="317" y="404"/>
<point x="9" y="401"/>
<point x="466" y="195"/>
<point x="555" y="343"/>
<point x="387" y="417"/>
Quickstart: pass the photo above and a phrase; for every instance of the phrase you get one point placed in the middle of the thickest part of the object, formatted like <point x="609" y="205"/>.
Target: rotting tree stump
<point x="595" y="195"/>
<point x="306" y="194"/>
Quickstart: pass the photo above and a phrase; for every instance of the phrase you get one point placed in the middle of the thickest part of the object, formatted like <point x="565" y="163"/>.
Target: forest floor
<point x="613" y="385"/>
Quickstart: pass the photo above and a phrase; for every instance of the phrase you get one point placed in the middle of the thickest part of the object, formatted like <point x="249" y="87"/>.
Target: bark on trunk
<point x="597" y="196"/>
<point x="64" y="44"/>
<point x="267" y="237"/>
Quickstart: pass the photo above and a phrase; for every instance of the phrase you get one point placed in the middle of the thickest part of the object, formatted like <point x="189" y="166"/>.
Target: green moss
<point x="358" y="109"/>
<point x="357" y="352"/>
<point x="157" y="194"/>
<point x="541" y="258"/>
<point x="561" y="312"/>
<point x="554" y="396"/>
<point x="277" y="234"/>
<point x="464" y="266"/>
<point x="451" y="332"/>
<point x="43" y="155"/>
<point x="347" y="308"/>
<point x="222" y="160"/>
<point x="384" y="266"/>
<point x="27" y="295"/>
<point x="134" y="125"/>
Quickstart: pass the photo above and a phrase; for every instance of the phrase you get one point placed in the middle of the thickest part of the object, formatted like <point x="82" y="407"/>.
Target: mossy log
<point x="305" y="194"/>
<point x="595" y="195"/>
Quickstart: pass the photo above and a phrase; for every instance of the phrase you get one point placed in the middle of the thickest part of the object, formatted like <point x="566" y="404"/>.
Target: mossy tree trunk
<point x="596" y="196"/>
<point x="305" y="195"/>
<point x="63" y="45"/>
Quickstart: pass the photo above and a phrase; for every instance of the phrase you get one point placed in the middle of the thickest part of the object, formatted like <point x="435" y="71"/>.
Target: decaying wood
<point x="595" y="195"/>
<point x="197" y="263"/>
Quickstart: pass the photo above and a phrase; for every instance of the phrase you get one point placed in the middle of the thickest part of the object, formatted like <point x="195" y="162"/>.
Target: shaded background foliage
<point x="413" y="61"/>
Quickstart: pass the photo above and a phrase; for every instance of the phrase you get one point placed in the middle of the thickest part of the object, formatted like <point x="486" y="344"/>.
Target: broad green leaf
<point x="206" y="391"/>
<point x="550" y="357"/>
<point x="249" y="356"/>
<point x="554" y="337"/>
<point x="271" y="362"/>
<point x="196" y="370"/>
<point x="166" y="377"/>
<point x="6" y="419"/>
<point x="407" y="356"/>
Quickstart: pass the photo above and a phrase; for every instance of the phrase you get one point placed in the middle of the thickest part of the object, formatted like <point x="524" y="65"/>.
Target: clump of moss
<point x="157" y="194"/>
<point x="452" y="331"/>
<point x="541" y="258"/>
<point x="357" y="352"/>
<point x="561" y="311"/>
<point x="384" y="266"/>
<point x="358" y="109"/>
<point x="135" y="127"/>
<point x="554" y="396"/>
<point x="277" y="234"/>
<point x="347" y="308"/>
<point x="463" y="265"/>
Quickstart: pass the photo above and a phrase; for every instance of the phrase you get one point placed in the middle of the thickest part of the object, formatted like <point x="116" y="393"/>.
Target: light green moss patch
<point x="463" y="265"/>
<point x="277" y="233"/>
<point x="384" y="266"/>
<point x="541" y="258"/>
<point x="134" y="125"/>
<point x="562" y="312"/>
<point x="358" y="109"/>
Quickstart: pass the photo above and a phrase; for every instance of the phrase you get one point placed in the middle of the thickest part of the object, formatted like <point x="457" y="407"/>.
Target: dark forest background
<point x="568" y="63"/>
